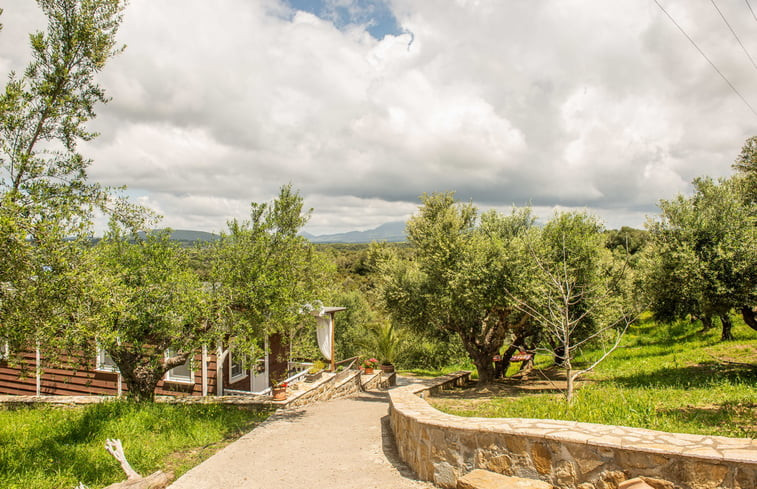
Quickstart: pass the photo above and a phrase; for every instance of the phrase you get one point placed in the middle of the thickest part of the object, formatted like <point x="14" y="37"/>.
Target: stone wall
<point x="378" y="380"/>
<point x="441" y="448"/>
<point x="348" y="386"/>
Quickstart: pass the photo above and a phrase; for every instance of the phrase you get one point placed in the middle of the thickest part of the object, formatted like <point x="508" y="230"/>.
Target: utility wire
<point x="734" y="33"/>
<point x="708" y="59"/>
<point x="750" y="9"/>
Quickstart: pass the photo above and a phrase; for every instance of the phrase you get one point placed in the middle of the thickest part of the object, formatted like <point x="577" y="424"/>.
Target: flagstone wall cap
<point x="407" y="402"/>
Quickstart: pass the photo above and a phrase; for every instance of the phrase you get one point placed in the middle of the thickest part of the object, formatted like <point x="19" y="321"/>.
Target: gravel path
<point x="344" y="444"/>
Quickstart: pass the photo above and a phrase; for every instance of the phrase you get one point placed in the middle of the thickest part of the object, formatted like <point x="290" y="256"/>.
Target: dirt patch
<point x="538" y="381"/>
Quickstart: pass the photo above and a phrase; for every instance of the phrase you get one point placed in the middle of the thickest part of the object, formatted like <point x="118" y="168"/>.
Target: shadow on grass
<point x="700" y="375"/>
<point x="741" y="417"/>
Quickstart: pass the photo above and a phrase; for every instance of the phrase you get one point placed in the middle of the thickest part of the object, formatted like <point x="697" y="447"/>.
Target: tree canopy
<point x="46" y="201"/>
<point x="704" y="255"/>
<point x="456" y="281"/>
<point x="142" y="299"/>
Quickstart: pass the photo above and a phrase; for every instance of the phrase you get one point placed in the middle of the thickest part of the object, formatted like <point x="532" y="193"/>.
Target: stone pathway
<point x="344" y="443"/>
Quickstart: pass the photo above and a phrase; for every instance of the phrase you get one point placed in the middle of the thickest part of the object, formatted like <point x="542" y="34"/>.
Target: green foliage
<point x="46" y="448"/>
<point x="142" y="299"/>
<point x="352" y="325"/>
<point x="387" y="341"/>
<point x="746" y="166"/>
<point x="263" y="273"/>
<point x="626" y="239"/>
<point x="46" y="203"/>
<point x="574" y="289"/>
<point x="456" y="281"/>
<point x="704" y="255"/>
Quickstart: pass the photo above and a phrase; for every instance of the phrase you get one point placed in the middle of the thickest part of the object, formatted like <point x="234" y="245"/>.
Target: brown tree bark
<point x="706" y="323"/>
<point x="750" y="316"/>
<point x="725" y="320"/>
<point x="141" y="374"/>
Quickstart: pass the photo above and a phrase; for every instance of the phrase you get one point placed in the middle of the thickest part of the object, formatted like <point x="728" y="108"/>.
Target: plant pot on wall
<point x="387" y="368"/>
<point x="368" y="370"/>
<point x="279" y="393"/>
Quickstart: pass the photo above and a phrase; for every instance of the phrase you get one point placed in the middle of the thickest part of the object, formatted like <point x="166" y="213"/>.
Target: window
<point x="182" y="373"/>
<point x="104" y="362"/>
<point x="236" y="369"/>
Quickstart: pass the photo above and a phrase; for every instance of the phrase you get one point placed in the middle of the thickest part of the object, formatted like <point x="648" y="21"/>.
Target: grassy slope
<point x="58" y="448"/>
<point x="663" y="378"/>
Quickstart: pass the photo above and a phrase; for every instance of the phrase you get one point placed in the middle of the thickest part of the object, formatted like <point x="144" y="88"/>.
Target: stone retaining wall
<point x="441" y="448"/>
<point x="378" y="380"/>
<point x="348" y="387"/>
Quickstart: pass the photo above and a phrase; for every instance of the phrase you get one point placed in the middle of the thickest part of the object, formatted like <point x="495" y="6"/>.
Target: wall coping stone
<point x="407" y="400"/>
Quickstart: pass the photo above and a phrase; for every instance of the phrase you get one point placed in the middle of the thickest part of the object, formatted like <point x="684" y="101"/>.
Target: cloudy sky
<point x="363" y="105"/>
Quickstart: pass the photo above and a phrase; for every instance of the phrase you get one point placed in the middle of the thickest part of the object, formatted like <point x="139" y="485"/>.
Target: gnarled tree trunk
<point x="725" y="320"/>
<point x="750" y="316"/>
<point x="706" y="323"/>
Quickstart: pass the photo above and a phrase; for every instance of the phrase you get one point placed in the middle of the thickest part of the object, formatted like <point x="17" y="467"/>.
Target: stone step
<point x="484" y="479"/>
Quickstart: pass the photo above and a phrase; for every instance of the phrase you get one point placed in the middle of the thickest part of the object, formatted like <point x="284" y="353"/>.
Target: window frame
<point x="236" y="378"/>
<point x="101" y="365"/>
<point x="170" y="377"/>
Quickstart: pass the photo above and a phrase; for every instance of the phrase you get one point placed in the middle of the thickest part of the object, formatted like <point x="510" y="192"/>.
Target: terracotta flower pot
<point x="368" y="370"/>
<point x="279" y="393"/>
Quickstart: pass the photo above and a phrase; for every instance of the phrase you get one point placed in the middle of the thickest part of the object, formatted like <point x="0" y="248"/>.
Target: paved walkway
<point x="344" y="444"/>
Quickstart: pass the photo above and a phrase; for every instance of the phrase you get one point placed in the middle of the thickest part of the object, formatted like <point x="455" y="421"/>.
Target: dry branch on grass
<point x="156" y="480"/>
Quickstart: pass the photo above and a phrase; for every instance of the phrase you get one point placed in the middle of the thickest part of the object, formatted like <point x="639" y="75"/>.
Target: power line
<point x="734" y="34"/>
<point x="708" y="59"/>
<point x="750" y="9"/>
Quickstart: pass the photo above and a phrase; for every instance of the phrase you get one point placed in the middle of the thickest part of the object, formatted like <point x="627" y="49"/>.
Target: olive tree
<point x="141" y="300"/>
<point x="703" y="259"/>
<point x="264" y="273"/>
<point x="455" y="281"/>
<point x="575" y="290"/>
<point x="45" y="198"/>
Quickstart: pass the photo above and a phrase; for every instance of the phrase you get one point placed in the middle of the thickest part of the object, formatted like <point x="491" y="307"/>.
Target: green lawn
<point x="57" y="448"/>
<point x="665" y="378"/>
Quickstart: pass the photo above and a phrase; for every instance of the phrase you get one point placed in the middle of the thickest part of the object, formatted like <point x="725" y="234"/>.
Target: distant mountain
<point x="193" y="236"/>
<point x="185" y="236"/>
<point x="393" y="232"/>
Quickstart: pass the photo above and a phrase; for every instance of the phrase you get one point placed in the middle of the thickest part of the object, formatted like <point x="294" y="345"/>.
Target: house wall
<point x="77" y="376"/>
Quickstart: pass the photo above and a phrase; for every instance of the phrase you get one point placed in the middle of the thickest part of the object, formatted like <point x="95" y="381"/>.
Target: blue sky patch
<point x="376" y="15"/>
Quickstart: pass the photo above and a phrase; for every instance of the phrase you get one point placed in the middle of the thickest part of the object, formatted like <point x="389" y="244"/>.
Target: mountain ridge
<point x="393" y="232"/>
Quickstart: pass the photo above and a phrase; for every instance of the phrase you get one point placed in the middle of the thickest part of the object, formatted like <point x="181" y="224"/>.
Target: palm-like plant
<point x="386" y="341"/>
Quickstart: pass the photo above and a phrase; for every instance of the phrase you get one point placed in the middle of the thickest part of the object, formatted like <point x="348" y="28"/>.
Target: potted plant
<point x="387" y="343"/>
<point x="279" y="391"/>
<point x="369" y="365"/>
<point x="315" y="372"/>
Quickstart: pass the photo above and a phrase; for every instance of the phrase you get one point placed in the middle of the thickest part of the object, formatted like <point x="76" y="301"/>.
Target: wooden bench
<point x="521" y="357"/>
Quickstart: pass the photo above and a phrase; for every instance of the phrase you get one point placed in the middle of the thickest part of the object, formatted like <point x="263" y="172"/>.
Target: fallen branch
<point x="115" y="448"/>
<point x="156" y="480"/>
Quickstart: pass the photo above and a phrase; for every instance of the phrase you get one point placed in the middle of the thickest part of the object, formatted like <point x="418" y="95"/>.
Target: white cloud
<point x="561" y="103"/>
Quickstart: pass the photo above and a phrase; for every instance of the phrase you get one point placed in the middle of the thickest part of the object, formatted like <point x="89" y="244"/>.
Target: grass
<point x="46" y="447"/>
<point x="669" y="378"/>
<point x="438" y="372"/>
